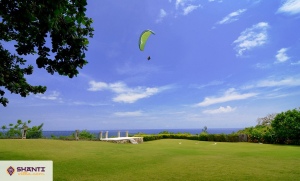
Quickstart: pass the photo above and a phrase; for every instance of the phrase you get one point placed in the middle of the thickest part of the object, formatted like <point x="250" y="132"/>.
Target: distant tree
<point x="267" y="120"/>
<point x="35" y="132"/>
<point x="56" y="31"/>
<point x="204" y="130"/>
<point x="84" y="134"/>
<point x="14" y="130"/>
<point x="165" y="132"/>
<point x="262" y="132"/>
<point x="286" y="126"/>
<point x="3" y="128"/>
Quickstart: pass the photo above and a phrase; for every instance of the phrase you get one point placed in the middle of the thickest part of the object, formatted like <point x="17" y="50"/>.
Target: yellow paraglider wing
<point x="144" y="37"/>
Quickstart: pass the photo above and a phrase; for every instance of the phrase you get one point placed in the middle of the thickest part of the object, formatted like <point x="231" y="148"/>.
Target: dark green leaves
<point x="287" y="126"/>
<point x="33" y="25"/>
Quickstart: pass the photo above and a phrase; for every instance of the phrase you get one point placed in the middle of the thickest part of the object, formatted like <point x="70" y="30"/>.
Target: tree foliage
<point x="35" y="132"/>
<point x="56" y="31"/>
<point x="204" y="130"/>
<point x="286" y="126"/>
<point x="267" y="120"/>
<point x="84" y="134"/>
<point x="262" y="132"/>
<point x="15" y="130"/>
<point x="283" y="128"/>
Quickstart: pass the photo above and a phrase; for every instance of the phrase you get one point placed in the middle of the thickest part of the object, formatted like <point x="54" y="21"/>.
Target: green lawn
<point x="158" y="160"/>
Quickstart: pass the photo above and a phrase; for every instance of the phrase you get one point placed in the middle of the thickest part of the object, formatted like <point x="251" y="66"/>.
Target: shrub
<point x="203" y="136"/>
<point x="268" y="136"/>
<point x="259" y="133"/>
<point x="193" y="137"/>
<point x="86" y="135"/>
<point x="165" y="132"/>
<point x="35" y="132"/>
<point x="220" y="138"/>
<point x="211" y="137"/>
<point x="14" y="130"/>
<point x="233" y="137"/>
<point x="71" y="137"/>
<point x="13" y="133"/>
<point x="53" y="136"/>
<point x="286" y="126"/>
<point x="151" y="137"/>
<point x="168" y="136"/>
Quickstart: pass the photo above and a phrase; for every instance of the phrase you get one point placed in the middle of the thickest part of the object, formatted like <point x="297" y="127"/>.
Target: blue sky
<point x="214" y="63"/>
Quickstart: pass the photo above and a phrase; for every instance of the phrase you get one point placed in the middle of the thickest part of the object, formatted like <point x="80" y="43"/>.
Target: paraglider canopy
<point x="144" y="37"/>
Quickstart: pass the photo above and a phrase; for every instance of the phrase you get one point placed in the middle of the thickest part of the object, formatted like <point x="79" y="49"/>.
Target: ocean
<point x="114" y="133"/>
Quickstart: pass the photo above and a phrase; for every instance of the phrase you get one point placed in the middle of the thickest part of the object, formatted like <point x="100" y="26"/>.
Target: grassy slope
<point x="159" y="160"/>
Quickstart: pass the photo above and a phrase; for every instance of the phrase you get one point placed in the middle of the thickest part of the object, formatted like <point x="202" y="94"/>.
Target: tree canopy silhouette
<point x="57" y="31"/>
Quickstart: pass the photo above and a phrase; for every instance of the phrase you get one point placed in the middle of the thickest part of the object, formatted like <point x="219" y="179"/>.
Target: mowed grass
<point x="159" y="160"/>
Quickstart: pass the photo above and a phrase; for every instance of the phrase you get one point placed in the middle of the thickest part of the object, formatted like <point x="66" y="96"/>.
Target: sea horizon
<point x="114" y="132"/>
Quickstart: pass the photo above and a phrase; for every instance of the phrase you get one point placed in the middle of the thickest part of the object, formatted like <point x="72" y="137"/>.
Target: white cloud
<point x="179" y="3"/>
<point x="229" y="95"/>
<point x="290" y="7"/>
<point x="275" y="87"/>
<point x="215" y="0"/>
<point x="80" y="103"/>
<point x="187" y="10"/>
<point x="220" y="110"/>
<point x="262" y="66"/>
<point x="231" y="17"/>
<point x="54" y="95"/>
<point x="213" y="83"/>
<point x="162" y="14"/>
<point x="128" y="114"/>
<point x="289" y="82"/>
<point x="281" y="55"/>
<point x="285" y="82"/>
<point x="96" y="86"/>
<point x="124" y="93"/>
<point x="296" y="63"/>
<point x="186" y="6"/>
<point x="134" y="95"/>
<point x="251" y="38"/>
